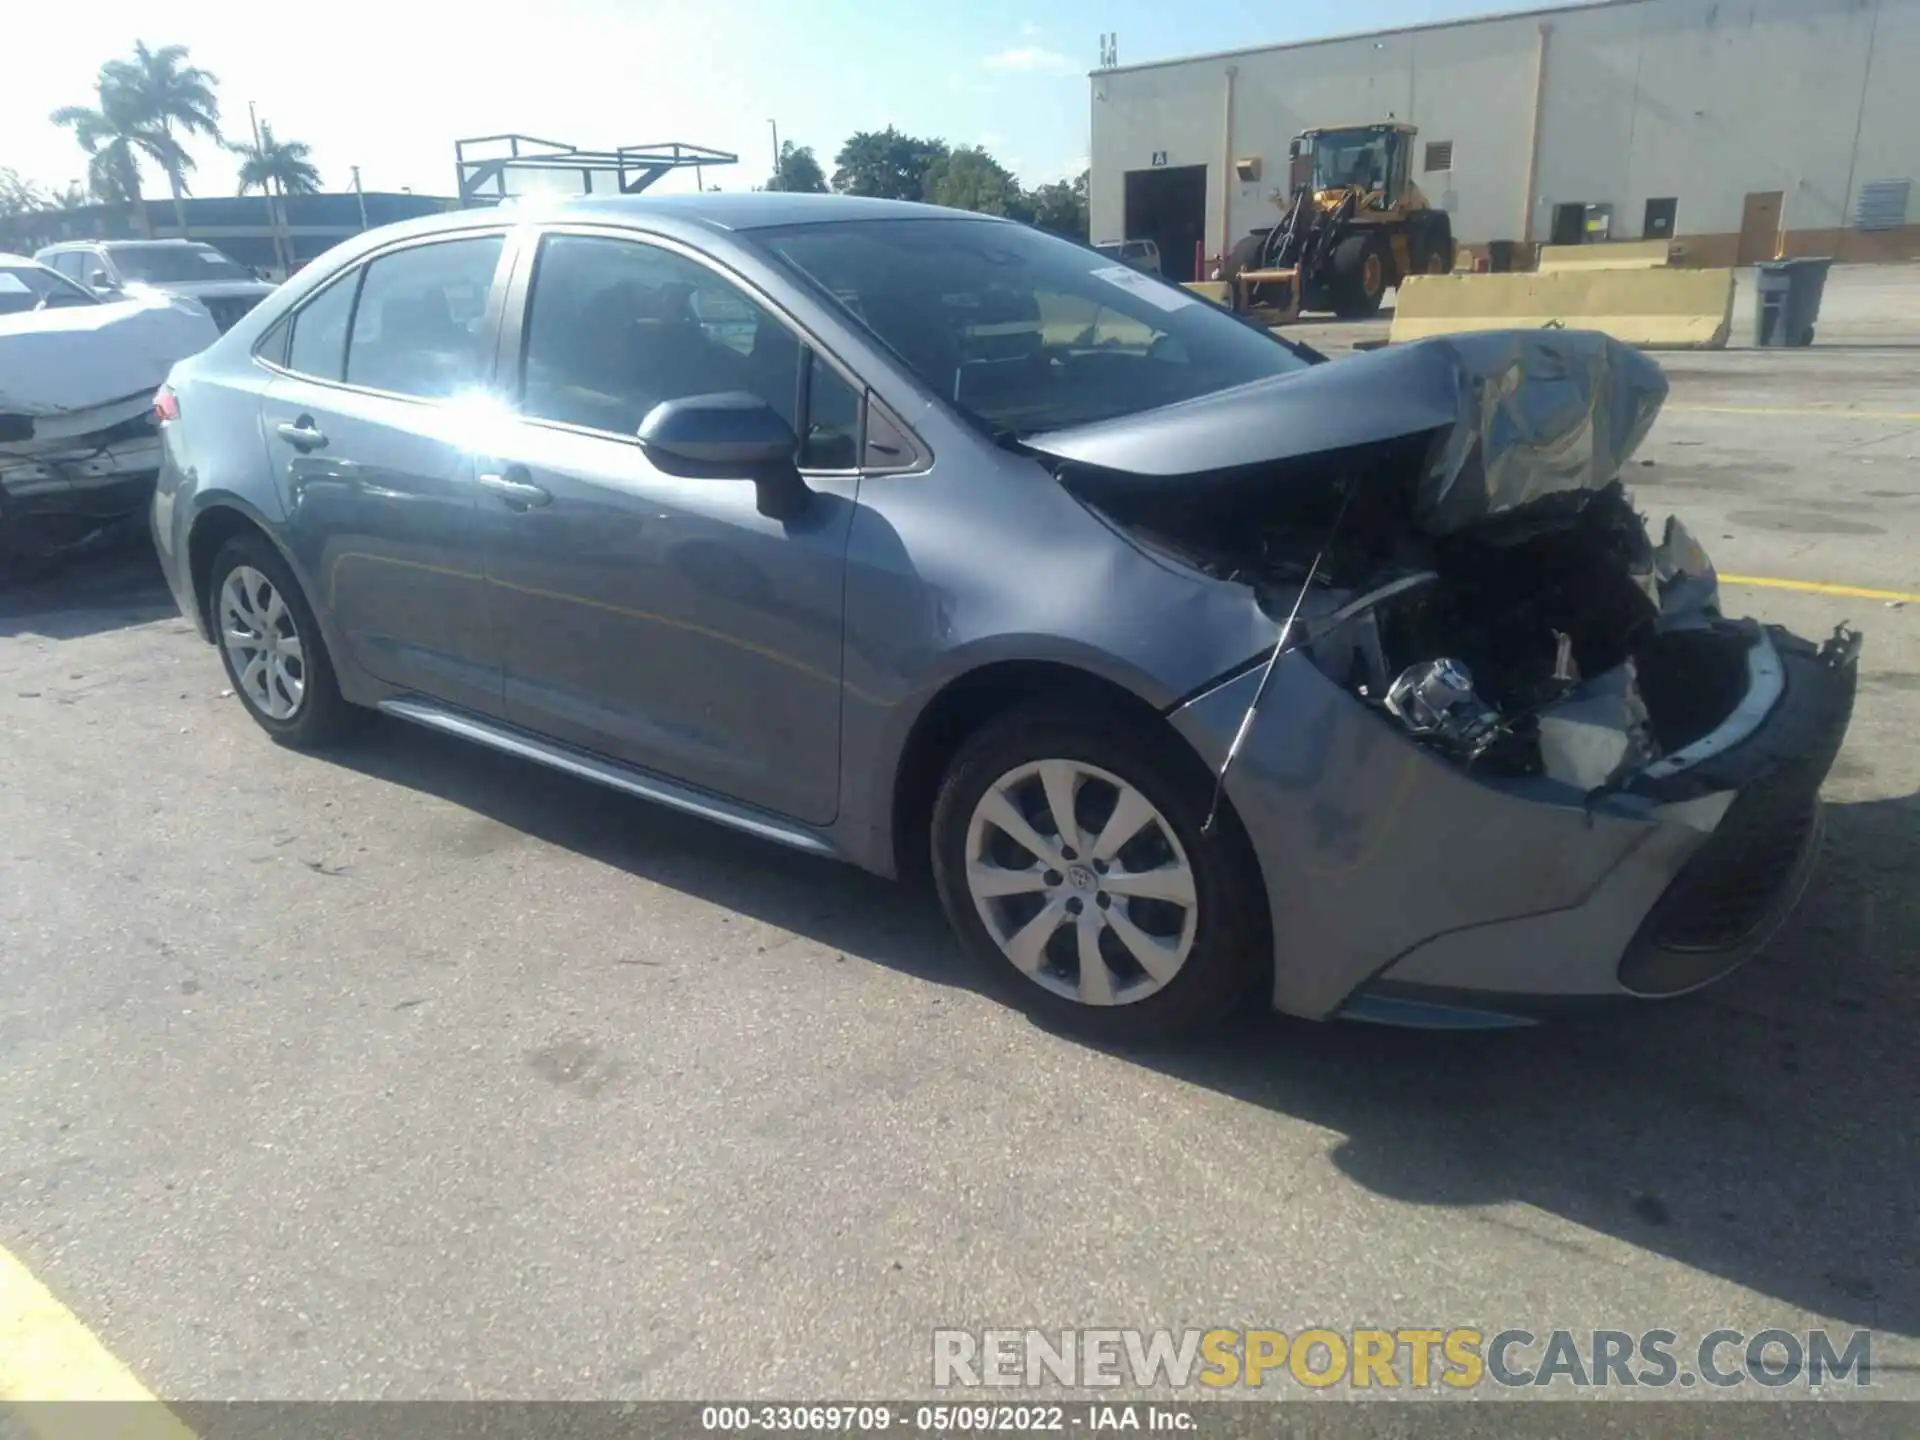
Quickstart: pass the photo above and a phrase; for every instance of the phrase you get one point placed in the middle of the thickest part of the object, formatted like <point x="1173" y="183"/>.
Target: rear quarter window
<point x="318" y="345"/>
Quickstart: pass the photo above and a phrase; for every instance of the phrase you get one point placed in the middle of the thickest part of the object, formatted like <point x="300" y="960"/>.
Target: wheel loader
<point x="1355" y="224"/>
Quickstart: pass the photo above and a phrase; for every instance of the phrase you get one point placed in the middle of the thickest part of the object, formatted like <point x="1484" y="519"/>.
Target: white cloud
<point x="1030" y="60"/>
<point x="1028" y="29"/>
<point x="1066" y="170"/>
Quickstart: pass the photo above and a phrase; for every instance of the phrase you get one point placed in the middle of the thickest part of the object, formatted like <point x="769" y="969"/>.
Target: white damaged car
<point x="78" y="445"/>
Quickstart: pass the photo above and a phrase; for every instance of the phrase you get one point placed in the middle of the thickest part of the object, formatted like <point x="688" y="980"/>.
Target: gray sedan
<point x="1189" y="665"/>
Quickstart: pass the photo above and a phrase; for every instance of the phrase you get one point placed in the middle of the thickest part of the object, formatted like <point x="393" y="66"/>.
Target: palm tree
<point x="174" y="99"/>
<point x="115" y="134"/>
<point x="277" y="168"/>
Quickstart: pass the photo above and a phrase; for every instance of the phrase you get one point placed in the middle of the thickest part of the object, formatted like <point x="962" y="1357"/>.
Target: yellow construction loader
<point x="1355" y="225"/>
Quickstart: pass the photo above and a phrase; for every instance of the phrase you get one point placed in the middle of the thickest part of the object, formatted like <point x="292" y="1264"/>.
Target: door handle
<point x="302" y="434"/>
<point x="513" y="486"/>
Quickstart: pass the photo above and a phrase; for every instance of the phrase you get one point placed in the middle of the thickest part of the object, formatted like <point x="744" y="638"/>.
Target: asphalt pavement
<point x="415" y="1071"/>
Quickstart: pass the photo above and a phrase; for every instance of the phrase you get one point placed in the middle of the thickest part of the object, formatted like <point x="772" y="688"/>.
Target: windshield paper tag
<point x="1155" y="293"/>
<point x="212" y="257"/>
<point x="11" y="284"/>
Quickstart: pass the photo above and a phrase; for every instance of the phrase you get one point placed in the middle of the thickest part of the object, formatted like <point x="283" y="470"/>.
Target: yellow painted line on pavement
<point x="1822" y="587"/>
<point x="48" y="1355"/>
<point x="1794" y="412"/>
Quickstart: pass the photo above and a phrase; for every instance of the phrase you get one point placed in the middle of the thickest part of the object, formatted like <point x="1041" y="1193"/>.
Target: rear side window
<point x="319" y="344"/>
<point x="420" y="327"/>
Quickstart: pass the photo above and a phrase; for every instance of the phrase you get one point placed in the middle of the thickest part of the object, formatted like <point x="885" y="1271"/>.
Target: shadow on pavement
<point x="107" y="589"/>
<point x="1763" y="1132"/>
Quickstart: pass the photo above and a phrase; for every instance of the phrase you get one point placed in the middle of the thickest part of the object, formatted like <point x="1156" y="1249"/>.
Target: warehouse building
<point x="1739" y="129"/>
<point x="238" y="225"/>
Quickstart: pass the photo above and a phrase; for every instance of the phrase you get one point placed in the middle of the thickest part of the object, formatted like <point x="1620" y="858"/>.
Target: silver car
<point x="187" y="268"/>
<point x="1190" y="665"/>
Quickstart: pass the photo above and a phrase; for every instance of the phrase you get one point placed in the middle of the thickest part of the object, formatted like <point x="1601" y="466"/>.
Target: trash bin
<point x="1500" y="256"/>
<point x="1787" y="300"/>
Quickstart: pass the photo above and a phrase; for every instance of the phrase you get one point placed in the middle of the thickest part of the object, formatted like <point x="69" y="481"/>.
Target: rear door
<point x="384" y="374"/>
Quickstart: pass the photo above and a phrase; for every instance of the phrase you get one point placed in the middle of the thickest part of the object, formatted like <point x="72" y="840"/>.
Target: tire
<point x="1208" y="954"/>
<point x="292" y="694"/>
<point x="1360" y="277"/>
<point x="1434" y="254"/>
<point x="1244" y="255"/>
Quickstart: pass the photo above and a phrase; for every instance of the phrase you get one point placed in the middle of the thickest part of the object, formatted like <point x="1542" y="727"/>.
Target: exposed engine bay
<point x="1482" y="581"/>
<point x="1569" y="646"/>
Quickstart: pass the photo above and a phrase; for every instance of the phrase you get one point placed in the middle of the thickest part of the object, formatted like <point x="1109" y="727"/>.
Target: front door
<point x="1169" y="207"/>
<point x="654" y="618"/>
<point x="1569" y="224"/>
<point x="1760" y="227"/>
<point x="369" y="433"/>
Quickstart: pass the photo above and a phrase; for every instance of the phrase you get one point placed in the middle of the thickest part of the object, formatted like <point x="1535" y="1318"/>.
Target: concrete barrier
<point x="1654" y="309"/>
<point x="1614" y="255"/>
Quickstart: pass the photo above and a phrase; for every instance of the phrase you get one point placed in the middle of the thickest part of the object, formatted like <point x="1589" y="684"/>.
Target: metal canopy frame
<point x="485" y="162"/>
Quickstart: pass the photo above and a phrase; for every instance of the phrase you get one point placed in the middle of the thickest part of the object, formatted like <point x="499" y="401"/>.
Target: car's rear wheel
<point x="271" y="646"/>
<point x="1071" y="859"/>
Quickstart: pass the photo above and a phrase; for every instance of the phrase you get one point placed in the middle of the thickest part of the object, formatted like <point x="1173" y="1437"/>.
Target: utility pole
<point x="280" y="257"/>
<point x="359" y="195"/>
<point x="774" y="125"/>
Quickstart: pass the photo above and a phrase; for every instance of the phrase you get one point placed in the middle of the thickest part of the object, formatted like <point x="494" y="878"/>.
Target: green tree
<point x="1061" y="207"/>
<point x="277" y="169"/>
<point x="885" y="163"/>
<point x="115" y="134"/>
<point x="172" y="98"/>
<point x="799" y="172"/>
<point x="19" y="196"/>
<point x="970" y="179"/>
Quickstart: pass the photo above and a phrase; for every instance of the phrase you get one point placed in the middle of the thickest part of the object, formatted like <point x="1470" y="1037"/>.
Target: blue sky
<point x="389" y="84"/>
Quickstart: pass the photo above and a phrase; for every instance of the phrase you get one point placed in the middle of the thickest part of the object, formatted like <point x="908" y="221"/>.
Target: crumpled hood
<point x="79" y="357"/>
<point x="1515" y="416"/>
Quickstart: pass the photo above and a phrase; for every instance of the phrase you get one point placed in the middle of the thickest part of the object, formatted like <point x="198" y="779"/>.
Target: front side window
<point x="1022" y="332"/>
<point x="1350" y="158"/>
<point x="617" y="326"/>
<point x="420" y="326"/>
<point x="319" y="344"/>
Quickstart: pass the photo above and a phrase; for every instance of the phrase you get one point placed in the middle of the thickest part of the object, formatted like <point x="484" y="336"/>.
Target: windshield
<point x="174" y="264"/>
<point x="29" y="287"/>
<point x="1350" y="158"/>
<point x="1022" y="332"/>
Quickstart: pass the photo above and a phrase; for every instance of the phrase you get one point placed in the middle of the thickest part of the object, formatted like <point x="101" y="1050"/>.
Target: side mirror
<point x="730" y="436"/>
<point x="100" y="282"/>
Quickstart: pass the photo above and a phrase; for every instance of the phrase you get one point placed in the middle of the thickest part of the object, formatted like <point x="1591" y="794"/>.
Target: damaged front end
<point x="79" y="448"/>
<point x="1441" y="532"/>
<point x="70" y="480"/>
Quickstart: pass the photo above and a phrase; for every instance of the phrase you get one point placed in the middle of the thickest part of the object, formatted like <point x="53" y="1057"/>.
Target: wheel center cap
<point x="1081" y="878"/>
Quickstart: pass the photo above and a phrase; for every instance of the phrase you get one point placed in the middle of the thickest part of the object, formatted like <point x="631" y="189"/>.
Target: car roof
<point x="168" y="244"/>
<point x="745" y="210"/>
<point x="7" y="259"/>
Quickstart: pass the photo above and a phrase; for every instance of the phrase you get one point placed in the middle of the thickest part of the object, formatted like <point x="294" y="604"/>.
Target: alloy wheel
<point x="1081" y="882"/>
<point x="262" y="643"/>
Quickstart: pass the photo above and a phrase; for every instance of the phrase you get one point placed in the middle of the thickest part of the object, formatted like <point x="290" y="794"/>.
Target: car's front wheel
<point x="271" y="646"/>
<point x="1071" y="859"/>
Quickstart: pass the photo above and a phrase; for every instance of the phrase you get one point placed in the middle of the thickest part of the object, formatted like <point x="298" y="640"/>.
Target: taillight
<point x="166" y="405"/>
